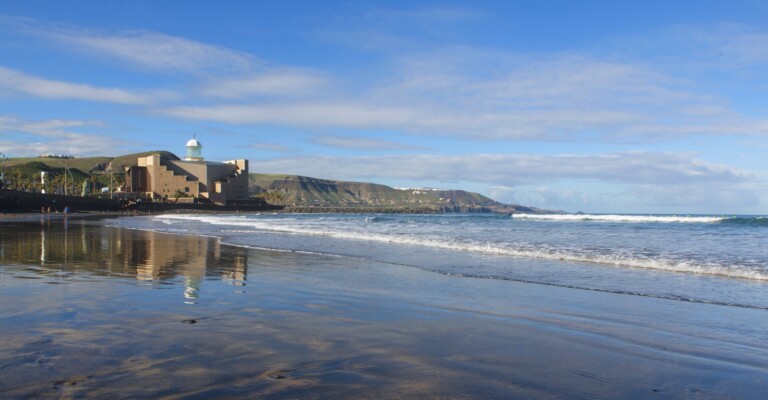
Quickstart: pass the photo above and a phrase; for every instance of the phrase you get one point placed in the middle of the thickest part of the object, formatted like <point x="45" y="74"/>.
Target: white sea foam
<point x="619" y="218"/>
<point x="348" y="232"/>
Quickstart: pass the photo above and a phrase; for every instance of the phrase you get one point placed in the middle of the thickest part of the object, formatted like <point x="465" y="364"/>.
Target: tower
<point x="194" y="150"/>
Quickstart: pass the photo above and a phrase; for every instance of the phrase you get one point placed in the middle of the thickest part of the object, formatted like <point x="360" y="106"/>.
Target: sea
<point x="709" y="259"/>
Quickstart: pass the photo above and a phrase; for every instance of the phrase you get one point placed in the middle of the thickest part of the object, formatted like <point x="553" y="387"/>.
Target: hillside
<point x="24" y="173"/>
<point x="302" y="191"/>
<point x="85" y="164"/>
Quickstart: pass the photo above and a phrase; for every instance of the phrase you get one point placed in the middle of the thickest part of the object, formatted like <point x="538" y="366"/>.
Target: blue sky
<point x="587" y="106"/>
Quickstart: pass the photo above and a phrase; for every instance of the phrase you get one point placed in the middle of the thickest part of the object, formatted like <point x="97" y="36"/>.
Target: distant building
<point x="158" y="177"/>
<point x="419" y="190"/>
<point x="63" y="156"/>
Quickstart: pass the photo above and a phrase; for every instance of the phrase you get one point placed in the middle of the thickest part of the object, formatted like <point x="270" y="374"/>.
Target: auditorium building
<point x="157" y="177"/>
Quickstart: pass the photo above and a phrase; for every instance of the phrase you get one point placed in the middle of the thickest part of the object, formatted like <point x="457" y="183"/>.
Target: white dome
<point x="194" y="143"/>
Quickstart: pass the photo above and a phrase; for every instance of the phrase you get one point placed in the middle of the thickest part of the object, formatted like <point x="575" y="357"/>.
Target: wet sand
<point x="90" y="311"/>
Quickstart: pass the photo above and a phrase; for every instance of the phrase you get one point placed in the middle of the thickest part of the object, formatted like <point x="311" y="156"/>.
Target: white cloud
<point x="274" y="147"/>
<point x="729" y="197"/>
<point x="508" y="170"/>
<point x="459" y="91"/>
<point x="299" y="114"/>
<point x="360" y="143"/>
<point x="477" y="95"/>
<point x="397" y="29"/>
<point x="17" y="82"/>
<point x="541" y="125"/>
<point x="273" y="83"/>
<point x="144" y="48"/>
<point x="158" y="51"/>
<point x="549" y="198"/>
<point x="491" y="95"/>
<point x="728" y="44"/>
<point x="49" y="128"/>
<point x="53" y="136"/>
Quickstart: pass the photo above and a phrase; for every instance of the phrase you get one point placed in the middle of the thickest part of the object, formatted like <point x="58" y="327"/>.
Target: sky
<point x="593" y="106"/>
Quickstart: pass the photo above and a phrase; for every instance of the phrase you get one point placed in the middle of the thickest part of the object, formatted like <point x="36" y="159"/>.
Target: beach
<point x="93" y="310"/>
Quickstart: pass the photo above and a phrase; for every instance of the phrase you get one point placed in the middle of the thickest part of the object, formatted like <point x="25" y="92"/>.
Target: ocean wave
<point x="621" y="218"/>
<point x="500" y="249"/>
<point x="400" y="220"/>
<point x="749" y="221"/>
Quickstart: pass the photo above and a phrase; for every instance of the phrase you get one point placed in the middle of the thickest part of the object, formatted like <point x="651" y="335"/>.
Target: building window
<point x="186" y="190"/>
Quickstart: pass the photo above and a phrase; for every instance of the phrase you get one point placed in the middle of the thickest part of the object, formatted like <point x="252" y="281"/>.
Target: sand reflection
<point x="86" y="247"/>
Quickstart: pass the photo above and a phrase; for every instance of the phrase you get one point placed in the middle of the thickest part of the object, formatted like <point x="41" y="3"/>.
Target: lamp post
<point x="2" y="173"/>
<point x="42" y="181"/>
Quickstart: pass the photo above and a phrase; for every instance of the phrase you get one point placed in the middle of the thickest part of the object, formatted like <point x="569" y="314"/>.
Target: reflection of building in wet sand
<point x="158" y="256"/>
<point x="150" y="256"/>
<point x="237" y="274"/>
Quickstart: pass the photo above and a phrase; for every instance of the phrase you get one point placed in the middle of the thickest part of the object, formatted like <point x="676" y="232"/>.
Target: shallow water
<point x="95" y="311"/>
<point x="717" y="260"/>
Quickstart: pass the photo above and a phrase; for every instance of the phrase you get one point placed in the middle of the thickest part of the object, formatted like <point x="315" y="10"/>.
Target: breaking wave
<point x="592" y="255"/>
<point x="622" y="218"/>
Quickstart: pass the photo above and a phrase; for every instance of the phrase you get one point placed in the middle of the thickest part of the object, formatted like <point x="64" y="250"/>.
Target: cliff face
<point x="303" y="192"/>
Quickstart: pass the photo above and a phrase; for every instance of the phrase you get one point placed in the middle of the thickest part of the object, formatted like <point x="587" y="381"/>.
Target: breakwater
<point x="407" y="209"/>
<point x="15" y="201"/>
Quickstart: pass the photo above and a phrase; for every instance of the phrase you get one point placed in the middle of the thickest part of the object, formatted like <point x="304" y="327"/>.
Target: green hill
<point x="85" y="164"/>
<point x="24" y="173"/>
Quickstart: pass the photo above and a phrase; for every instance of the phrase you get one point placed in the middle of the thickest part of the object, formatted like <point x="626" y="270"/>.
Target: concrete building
<point x="192" y="179"/>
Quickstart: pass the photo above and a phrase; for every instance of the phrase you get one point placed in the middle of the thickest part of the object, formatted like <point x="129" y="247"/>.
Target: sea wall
<point x="242" y="206"/>
<point x="14" y="201"/>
